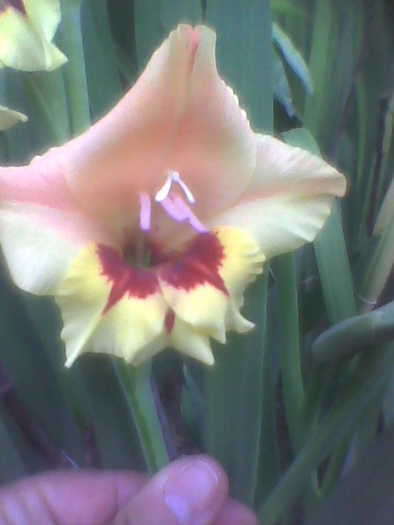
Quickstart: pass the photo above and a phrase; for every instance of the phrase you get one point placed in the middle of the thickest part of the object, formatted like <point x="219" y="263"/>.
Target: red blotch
<point x="198" y="264"/>
<point x="169" y="320"/>
<point x="126" y="280"/>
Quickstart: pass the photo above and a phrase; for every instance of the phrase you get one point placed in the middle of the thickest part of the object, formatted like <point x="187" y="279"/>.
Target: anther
<point x="173" y="177"/>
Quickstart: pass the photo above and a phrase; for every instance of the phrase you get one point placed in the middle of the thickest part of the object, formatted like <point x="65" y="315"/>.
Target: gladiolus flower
<point x="148" y="228"/>
<point x="26" y="30"/>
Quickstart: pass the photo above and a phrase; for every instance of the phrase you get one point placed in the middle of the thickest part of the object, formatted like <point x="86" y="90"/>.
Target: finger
<point x="234" y="513"/>
<point x="189" y="491"/>
<point x="67" y="498"/>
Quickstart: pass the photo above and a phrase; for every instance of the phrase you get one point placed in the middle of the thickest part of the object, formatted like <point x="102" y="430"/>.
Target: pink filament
<point x="145" y="212"/>
<point x="176" y="208"/>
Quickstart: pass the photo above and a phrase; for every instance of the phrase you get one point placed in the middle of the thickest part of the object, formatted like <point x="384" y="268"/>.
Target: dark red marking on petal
<point x="16" y="4"/>
<point x="126" y="280"/>
<point x="197" y="264"/>
<point x="169" y="320"/>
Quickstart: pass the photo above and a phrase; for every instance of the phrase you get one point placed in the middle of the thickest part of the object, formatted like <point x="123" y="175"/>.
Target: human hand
<point x="189" y="491"/>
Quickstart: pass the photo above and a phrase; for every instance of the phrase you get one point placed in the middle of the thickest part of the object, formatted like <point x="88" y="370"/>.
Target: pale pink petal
<point x="42" y="228"/>
<point x="214" y="149"/>
<point x="126" y="152"/>
<point x="42" y="184"/>
<point x="288" y="200"/>
<point x="179" y="116"/>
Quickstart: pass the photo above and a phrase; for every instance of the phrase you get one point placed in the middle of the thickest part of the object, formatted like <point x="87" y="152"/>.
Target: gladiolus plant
<point x="179" y="274"/>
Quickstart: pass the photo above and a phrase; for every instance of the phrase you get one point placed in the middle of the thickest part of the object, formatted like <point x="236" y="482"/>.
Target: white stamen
<point x="164" y="190"/>
<point x="186" y="191"/>
<point x="173" y="176"/>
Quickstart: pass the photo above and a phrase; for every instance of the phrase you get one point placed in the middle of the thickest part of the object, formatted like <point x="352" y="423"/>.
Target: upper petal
<point x="124" y="153"/>
<point x="288" y="200"/>
<point x="180" y="116"/>
<point x="214" y="149"/>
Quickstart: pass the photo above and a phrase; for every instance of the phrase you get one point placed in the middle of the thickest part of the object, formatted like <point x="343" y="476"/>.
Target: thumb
<point x="189" y="491"/>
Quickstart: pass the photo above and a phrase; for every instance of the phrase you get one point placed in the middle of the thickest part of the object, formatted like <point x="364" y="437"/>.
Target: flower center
<point x="142" y="269"/>
<point x="175" y="206"/>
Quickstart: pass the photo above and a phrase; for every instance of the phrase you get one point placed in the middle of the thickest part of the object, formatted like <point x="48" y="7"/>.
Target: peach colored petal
<point x="41" y="184"/>
<point x="180" y="116"/>
<point x="214" y="149"/>
<point x="288" y="200"/>
<point x="126" y="152"/>
<point x="42" y="228"/>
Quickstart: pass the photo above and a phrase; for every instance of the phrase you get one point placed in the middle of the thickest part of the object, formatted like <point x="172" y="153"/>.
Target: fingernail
<point x="190" y="490"/>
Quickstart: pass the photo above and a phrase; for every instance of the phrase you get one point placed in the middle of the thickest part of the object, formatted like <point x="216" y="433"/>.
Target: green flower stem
<point x="293" y="391"/>
<point x="372" y="372"/>
<point x="135" y="382"/>
<point x="75" y="73"/>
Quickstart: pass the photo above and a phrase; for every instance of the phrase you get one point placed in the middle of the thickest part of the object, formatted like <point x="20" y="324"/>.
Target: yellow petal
<point x="242" y="260"/>
<point x="36" y="254"/>
<point x="81" y="296"/>
<point x="204" y="307"/>
<point x="131" y="328"/>
<point x="193" y="288"/>
<point x="288" y="200"/>
<point x="191" y="342"/>
<point x="241" y="263"/>
<point x="23" y="46"/>
<point x="205" y="286"/>
<point x="9" y="117"/>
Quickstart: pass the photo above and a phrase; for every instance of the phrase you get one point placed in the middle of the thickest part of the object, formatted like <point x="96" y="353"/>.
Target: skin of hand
<point x="189" y="491"/>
